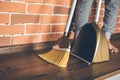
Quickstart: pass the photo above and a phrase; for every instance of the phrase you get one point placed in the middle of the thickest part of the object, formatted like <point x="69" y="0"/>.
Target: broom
<point x="63" y="42"/>
<point x="59" y="55"/>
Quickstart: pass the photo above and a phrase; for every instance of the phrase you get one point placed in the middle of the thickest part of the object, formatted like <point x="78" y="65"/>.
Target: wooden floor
<point x="22" y="63"/>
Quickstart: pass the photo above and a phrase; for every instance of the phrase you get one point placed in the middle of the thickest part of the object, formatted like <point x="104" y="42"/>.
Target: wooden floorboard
<point x="26" y="65"/>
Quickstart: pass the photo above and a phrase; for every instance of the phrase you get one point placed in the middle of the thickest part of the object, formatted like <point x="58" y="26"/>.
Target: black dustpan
<point x="91" y="43"/>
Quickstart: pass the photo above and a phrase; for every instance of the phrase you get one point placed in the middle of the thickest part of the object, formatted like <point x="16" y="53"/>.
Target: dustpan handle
<point x="70" y="17"/>
<point x="98" y="11"/>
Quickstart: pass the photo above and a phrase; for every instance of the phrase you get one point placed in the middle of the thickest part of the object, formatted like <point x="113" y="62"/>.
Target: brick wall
<point x="33" y="21"/>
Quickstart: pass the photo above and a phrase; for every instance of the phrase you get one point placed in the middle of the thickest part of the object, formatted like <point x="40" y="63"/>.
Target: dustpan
<point x="60" y="56"/>
<point x="91" y="43"/>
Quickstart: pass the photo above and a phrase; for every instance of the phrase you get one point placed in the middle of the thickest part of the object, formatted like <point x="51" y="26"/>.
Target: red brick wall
<point x="33" y="21"/>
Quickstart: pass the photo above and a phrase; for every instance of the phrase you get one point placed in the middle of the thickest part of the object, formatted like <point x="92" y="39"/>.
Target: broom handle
<point x="98" y="11"/>
<point x="70" y="17"/>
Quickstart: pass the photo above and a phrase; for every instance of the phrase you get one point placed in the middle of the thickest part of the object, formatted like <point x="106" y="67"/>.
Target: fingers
<point x="114" y="50"/>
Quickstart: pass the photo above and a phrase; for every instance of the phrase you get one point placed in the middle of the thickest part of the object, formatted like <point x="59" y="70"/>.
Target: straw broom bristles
<point x="57" y="56"/>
